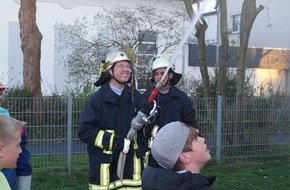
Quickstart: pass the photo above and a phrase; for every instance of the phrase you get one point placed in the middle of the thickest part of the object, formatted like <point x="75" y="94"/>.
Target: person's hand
<point x="122" y="144"/>
<point x="154" y="131"/>
<point x="147" y="107"/>
<point x="126" y="147"/>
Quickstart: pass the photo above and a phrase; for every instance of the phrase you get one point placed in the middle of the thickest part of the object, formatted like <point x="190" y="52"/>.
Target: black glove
<point x="118" y="143"/>
<point x="147" y="107"/>
<point x="121" y="144"/>
<point x="148" y="130"/>
<point x="211" y="179"/>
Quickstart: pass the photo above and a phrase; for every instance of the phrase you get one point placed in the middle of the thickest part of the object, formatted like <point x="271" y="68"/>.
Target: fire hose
<point x="175" y="53"/>
<point x="136" y="124"/>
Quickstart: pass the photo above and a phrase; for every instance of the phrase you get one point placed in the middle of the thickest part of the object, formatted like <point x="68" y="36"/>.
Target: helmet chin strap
<point x="120" y="82"/>
<point x="166" y="85"/>
<point x="112" y="77"/>
<point x="123" y="83"/>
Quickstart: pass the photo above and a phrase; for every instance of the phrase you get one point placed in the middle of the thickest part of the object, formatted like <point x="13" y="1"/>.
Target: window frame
<point x="236" y="20"/>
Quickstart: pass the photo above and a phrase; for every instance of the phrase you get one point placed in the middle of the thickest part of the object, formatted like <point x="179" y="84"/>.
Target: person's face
<point x="121" y="71"/>
<point x="200" y="152"/>
<point x="158" y="73"/>
<point x="2" y="96"/>
<point x="9" y="152"/>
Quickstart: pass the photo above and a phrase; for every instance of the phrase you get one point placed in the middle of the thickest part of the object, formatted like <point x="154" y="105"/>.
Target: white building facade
<point x="270" y="30"/>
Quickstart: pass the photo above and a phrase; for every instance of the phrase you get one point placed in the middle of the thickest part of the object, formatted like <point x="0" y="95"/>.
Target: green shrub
<point x="18" y="92"/>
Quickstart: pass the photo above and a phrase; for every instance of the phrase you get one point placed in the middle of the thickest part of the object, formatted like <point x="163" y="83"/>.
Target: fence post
<point x="69" y="136"/>
<point x="219" y="129"/>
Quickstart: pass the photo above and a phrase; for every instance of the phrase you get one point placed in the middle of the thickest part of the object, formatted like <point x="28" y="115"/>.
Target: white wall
<point x="271" y="29"/>
<point x="67" y="11"/>
<point x="7" y="14"/>
<point x="48" y="13"/>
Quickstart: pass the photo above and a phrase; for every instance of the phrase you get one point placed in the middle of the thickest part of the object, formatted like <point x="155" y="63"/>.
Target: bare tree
<point x="31" y="46"/>
<point x="201" y="27"/>
<point x="88" y="42"/>
<point x="223" y="63"/>
<point x="248" y="16"/>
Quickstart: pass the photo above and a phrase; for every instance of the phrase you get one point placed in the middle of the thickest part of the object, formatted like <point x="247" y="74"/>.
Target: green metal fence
<point x="251" y="127"/>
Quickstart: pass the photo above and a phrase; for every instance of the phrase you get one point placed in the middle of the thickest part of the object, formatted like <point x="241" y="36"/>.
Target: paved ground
<point x="60" y="147"/>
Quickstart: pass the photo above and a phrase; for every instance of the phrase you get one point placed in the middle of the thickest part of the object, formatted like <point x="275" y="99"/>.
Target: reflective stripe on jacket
<point x="104" y="117"/>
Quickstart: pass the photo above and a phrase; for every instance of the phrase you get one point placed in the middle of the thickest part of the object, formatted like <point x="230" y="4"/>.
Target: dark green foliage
<point x="83" y="92"/>
<point x="18" y="92"/>
<point x="230" y="85"/>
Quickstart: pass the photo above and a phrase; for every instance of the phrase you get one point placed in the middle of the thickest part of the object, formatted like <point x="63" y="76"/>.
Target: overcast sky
<point x="210" y="4"/>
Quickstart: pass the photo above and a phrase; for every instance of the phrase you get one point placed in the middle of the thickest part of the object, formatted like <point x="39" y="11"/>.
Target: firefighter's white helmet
<point x="112" y="58"/>
<point x="161" y="62"/>
<point x="115" y="56"/>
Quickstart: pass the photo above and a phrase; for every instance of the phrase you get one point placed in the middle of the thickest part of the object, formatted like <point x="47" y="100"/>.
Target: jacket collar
<point x="110" y="96"/>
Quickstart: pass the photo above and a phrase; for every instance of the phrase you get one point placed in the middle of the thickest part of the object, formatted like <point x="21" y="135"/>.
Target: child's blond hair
<point x="9" y="127"/>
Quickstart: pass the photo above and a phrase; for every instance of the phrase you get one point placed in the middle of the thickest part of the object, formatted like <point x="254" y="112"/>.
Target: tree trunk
<point x="200" y="34"/>
<point x="31" y="46"/>
<point x="223" y="63"/>
<point x="248" y="16"/>
<point x="31" y="49"/>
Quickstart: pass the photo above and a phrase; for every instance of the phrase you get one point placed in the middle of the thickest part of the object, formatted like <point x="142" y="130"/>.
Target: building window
<point x="146" y="50"/>
<point x="236" y="23"/>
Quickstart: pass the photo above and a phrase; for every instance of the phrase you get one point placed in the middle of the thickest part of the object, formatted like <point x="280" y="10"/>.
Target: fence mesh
<point x="252" y="127"/>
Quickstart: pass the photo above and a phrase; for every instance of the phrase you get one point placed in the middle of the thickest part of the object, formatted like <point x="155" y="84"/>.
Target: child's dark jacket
<point x="161" y="179"/>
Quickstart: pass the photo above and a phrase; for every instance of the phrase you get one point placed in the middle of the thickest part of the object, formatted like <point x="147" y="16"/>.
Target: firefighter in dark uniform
<point x="104" y="123"/>
<point x="173" y="104"/>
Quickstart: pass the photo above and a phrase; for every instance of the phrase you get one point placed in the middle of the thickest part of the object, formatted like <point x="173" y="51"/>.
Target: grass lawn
<point x="249" y="174"/>
<point x="59" y="180"/>
<point x="253" y="174"/>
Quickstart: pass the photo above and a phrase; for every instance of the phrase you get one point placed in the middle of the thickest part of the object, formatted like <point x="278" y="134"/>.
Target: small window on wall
<point x="236" y="23"/>
<point x="147" y="44"/>
<point x="146" y="51"/>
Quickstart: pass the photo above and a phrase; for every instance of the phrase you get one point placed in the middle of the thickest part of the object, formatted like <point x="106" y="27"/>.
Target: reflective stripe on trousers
<point x="133" y="184"/>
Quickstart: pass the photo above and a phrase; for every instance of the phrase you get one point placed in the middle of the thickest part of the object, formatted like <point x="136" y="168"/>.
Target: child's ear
<point x="184" y="157"/>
